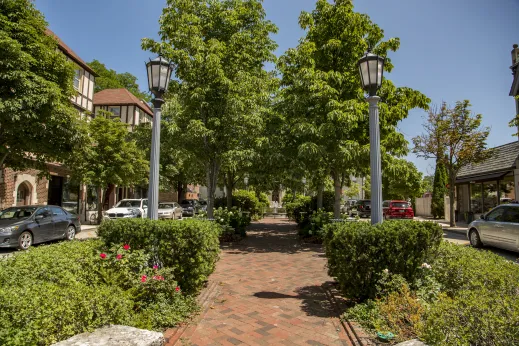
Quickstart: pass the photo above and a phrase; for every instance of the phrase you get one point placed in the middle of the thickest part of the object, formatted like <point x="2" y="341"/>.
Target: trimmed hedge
<point x="190" y="247"/>
<point x="358" y="253"/>
<point x="52" y="292"/>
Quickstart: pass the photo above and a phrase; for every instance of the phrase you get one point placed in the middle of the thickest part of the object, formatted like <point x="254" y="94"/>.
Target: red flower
<point x="102" y="255"/>
<point x="144" y="278"/>
<point x="119" y="256"/>
<point x="155" y="267"/>
<point x="177" y="289"/>
<point x="126" y="246"/>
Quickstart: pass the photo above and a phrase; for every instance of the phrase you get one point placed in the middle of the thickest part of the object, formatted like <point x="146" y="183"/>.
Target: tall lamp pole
<point x="304" y="186"/>
<point x="246" y="181"/>
<point x="159" y="73"/>
<point x="371" y="68"/>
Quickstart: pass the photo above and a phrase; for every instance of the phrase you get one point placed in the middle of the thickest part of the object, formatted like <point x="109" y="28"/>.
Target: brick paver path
<point x="270" y="294"/>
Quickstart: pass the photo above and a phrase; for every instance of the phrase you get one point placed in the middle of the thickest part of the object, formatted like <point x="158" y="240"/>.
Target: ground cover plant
<point x="442" y="293"/>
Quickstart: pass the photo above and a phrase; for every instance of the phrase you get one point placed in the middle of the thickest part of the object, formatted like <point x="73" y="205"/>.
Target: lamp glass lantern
<point x="159" y="73"/>
<point x="371" y="69"/>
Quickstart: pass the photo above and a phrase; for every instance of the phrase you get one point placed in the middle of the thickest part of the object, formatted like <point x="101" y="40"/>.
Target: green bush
<point x="300" y="210"/>
<point x="189" y="247"/>
<point x="317" y="221"/>
<point x="358" y="253"/>
<point x="53" y="292"/>
<point x="328" y="201"/>
<point x="229" y="219"/>
<point x="244" y="200"/>
<point x="473" y="318"/>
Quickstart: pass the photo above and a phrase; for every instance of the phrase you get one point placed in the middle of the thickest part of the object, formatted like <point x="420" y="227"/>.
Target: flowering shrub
<point x="233" y="218"/>
<point x="53" y="292"/>
<point x="189" y="248"/>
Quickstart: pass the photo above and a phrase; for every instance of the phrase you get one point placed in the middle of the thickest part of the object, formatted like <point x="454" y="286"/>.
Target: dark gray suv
<point x="24" y="226"/>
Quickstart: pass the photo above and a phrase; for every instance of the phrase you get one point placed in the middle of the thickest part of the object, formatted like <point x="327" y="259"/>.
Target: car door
<point x="60" y="220"/>
<point x="43" y="229"/>
<point x="510" y="232"/>
<point x="491" y="230"/>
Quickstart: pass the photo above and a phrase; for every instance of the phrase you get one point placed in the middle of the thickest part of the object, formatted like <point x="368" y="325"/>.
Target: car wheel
<point x="474" y="238"/>
<point x="71" y="233"/>
<point x="25" y="240"/>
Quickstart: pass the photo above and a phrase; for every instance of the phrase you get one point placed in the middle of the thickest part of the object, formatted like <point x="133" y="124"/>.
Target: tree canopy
<point x="110" y="79"/>
<point x="38" y="123"/>
<point x="219" y="49"/>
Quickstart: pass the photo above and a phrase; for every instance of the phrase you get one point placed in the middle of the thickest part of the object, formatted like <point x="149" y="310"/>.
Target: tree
<point x="352" y="190"/>
<point x="439" y="190"/>
<point x="110" y="158"/>
<point x="38" y="123"/>
<point x="322" y="98"/>
<point x="427" y="183"/>
<point x="110" y="79"/>
<point x="456" y="137"/>
<point x="401" y="180"/>
<point x="219" y="49"/>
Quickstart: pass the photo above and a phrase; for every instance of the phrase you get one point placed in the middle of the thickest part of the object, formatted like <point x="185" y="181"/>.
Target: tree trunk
<point x="211" y="175"/>
<point x="452" y="188"/>
<point x="228" y="180"/>
<point x="338" y="194"/>
<point x="99" y="204"/>
<point x="109" y="190"/>
<point x="180" y="191"/>
<point x="320" y="192"/>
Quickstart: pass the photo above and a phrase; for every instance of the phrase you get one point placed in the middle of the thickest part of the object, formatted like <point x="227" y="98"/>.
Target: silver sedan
<point x="499" y="227"/>
<point x="170" y="210"/>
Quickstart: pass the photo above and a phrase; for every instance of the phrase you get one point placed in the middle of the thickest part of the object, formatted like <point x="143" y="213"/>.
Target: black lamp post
<point x="371" y="68"/>
<point x="159" y="73"/>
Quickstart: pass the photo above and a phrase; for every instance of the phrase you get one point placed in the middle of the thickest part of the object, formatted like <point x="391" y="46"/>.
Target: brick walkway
<point x="270" y="294"/>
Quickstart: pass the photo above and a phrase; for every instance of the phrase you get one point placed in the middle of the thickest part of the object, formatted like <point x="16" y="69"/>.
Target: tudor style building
<point x="24" y="187"/>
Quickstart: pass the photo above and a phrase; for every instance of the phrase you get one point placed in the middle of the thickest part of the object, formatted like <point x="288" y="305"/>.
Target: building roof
<point x="70" y="53"/>
<point x="503" y="159"/>
<point x="120" y="97"/>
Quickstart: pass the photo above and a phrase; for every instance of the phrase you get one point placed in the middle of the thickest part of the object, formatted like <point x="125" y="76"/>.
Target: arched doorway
<point x="23" y="194"/>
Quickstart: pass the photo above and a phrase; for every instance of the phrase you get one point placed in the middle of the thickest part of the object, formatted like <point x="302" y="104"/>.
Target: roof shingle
<point x="70" y="53"/>
<point x="503" y="159"/>
<point x="119" y="97"/>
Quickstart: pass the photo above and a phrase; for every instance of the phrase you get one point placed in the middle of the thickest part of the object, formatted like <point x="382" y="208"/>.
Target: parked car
<point x="190" y="207"/>
<point x="170" y="210"/>
<point x="397" y="210"/>
<point x="128" y="208"/>
<point x="203" y="205"/>
<point x="499" y="227"/>
<point x="362" y="208"/>
<point x="24" y="226"/>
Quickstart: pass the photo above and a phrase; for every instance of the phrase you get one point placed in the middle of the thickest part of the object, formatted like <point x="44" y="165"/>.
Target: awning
<point x="482" y="178"/>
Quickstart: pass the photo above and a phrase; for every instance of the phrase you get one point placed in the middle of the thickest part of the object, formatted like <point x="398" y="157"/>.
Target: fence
<point x="423" y="206"/>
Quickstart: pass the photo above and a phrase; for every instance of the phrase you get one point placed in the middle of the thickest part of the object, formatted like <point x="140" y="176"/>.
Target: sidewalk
<point x="87" y="231"/>
<point x="270" y="293"/>
<point x="461" y="227"/>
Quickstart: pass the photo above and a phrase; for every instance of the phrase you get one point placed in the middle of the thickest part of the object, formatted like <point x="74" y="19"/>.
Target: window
<point x="400" y="205"/>
<point x="43" y="211"/>
<point x="116" y="111"/>
<point x="145" y="203"/>
<point x="489" y="195"/>
<point x="57" y="211"/>
<point x="511" y="215"/>
<point x="496" y="214"/>
<point x="475" y="198"/>
<point x="77" y="78"/>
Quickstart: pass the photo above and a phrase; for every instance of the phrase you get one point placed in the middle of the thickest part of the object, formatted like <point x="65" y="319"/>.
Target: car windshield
<point x="125" y="203"/>
<point x="365" y="202"/>
<point x="400" y="205"/>
<point x="166" y="205"/>
<point x="16" y="213"/>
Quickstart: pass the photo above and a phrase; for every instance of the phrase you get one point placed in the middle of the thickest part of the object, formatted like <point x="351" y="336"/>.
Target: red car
<point x="397" y="210"/>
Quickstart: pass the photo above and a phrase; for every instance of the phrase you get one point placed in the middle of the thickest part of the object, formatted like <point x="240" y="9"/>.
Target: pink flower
<point x="144" y="278"/>
<point x="155" y="267"/>
<point x="119" y="256"/>
<point x="126" y="247"/>
<point x="102" y="255"/>
<point x="177" y="289"/>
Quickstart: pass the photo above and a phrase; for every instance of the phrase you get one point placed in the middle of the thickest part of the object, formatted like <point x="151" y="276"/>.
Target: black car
<point x="190" y="207"/>
<point x="24" y="226"/>
<point x="362" y="208"/>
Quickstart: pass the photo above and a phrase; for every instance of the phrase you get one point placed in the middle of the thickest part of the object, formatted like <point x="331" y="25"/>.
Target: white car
<point x="170" y="210"/>
<point x="128" y="208"/>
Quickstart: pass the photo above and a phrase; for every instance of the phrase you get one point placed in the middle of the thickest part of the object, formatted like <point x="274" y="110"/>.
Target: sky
<point x="450" y="49"/>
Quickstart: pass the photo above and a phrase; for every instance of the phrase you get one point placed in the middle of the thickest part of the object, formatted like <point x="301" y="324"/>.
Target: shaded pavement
<point x="271" y="293"/>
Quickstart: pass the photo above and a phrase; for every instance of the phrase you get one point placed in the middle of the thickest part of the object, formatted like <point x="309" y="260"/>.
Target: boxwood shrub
<point x="190" y="247"/>
<point x="358" y="253"/>
<point x="52" y="292"/>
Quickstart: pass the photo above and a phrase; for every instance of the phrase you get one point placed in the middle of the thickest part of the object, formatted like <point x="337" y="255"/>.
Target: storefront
<point x="482" y="187"/>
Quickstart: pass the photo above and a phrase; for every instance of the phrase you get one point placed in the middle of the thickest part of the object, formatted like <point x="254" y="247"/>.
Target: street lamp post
<point x="246" y="181"/>
<point x="159" y="73"/>
<point x="304" y="186"/>
<point x="371" y="68"/>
